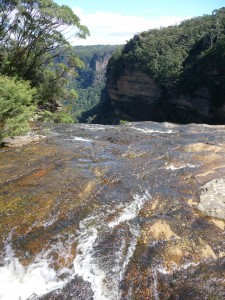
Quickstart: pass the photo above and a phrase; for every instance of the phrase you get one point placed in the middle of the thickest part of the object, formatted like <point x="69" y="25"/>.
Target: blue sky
<point x="116" y="21"/>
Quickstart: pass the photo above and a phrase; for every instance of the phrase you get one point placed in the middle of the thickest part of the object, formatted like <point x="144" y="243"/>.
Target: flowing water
<point x="104" y="212"/>
<point x="106" y="271"/>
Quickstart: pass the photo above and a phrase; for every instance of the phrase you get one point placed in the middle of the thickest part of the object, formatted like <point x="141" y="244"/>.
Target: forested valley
<point x="90" y="82"/>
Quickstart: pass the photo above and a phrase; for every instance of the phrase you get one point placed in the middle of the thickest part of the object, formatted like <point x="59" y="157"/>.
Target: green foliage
<point x="16" y="106"/>
<point x="123" y="121"/>
<point x="33" y="36"/>
<point x="87" y="98"/>
<point x="34" y="48"/>
<point x="167" y="53"/>
<point x="88" y="53"/>
<point x="90" y="82"/>
<point x="116" y="64"/>
<point x="57" y="117"/>
<point x="32" y="42"/>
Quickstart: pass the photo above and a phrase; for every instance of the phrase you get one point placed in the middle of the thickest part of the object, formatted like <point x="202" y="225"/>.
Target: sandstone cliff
<point x="98" y="65"/>
<point x="174" y="74"/>
<point x="136" y="96"/>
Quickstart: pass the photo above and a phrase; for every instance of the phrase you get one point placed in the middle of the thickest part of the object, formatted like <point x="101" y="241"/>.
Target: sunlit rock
<point x="125" y="212"/>
<point x="212" y="198"/>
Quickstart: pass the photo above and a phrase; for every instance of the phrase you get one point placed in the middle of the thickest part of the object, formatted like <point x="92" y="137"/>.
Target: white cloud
<point x="115" y="28"/>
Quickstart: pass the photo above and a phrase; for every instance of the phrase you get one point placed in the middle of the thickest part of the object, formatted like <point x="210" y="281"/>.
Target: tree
<point x="34" y="36"/>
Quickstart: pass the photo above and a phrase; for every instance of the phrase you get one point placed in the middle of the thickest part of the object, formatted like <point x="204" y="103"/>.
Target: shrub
<point x="57" y="117"/>
<point x="16" y="106"/>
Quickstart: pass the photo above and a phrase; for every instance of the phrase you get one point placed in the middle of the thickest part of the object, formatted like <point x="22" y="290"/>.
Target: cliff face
<point x="95" y="59"/>
<point x="134" y="95"/>
<point x="98" y="65"/>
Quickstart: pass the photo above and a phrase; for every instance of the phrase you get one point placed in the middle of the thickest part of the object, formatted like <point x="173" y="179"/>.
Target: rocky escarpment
<point x="136" y="96"/>
<point x="174" y="74"/>
<point x="99" y="64"/>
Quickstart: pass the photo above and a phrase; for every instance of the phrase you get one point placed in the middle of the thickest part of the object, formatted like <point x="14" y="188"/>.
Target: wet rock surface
<point x="75" y="289"/>
<point x="104" y="212"/>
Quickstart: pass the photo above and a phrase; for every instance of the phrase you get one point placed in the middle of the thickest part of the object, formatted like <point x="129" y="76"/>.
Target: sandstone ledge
<point x="19" y="141"/>
<point x="212" y="199"/>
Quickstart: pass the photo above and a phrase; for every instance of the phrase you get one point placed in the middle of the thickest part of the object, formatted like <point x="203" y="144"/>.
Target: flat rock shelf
<point x="129" y="212"/>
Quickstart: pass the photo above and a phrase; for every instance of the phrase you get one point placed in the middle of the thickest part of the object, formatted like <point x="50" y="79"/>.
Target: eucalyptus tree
<point x="34" y="36"/>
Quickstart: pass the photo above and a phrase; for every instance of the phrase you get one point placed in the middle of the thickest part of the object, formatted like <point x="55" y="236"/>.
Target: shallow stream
<point x="111" y="212"/>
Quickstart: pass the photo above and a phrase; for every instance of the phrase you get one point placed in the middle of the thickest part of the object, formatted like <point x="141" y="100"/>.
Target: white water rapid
<point x="20" y="283"/>
<point x="105" y="272"/>
<point x="102" y="265"/>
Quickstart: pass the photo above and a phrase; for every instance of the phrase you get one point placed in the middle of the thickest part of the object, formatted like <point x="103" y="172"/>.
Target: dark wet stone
<point x="205" y="281"/>
<point x="76" y="289"/>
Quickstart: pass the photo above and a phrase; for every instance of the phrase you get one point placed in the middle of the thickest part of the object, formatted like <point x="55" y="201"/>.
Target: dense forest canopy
<point x="168" y="54"/>
<point x="33" y="34"/>
<point x="86" y="53"/>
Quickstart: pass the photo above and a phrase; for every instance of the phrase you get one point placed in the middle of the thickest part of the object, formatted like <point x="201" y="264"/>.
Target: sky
<point x="117" y="21"/>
